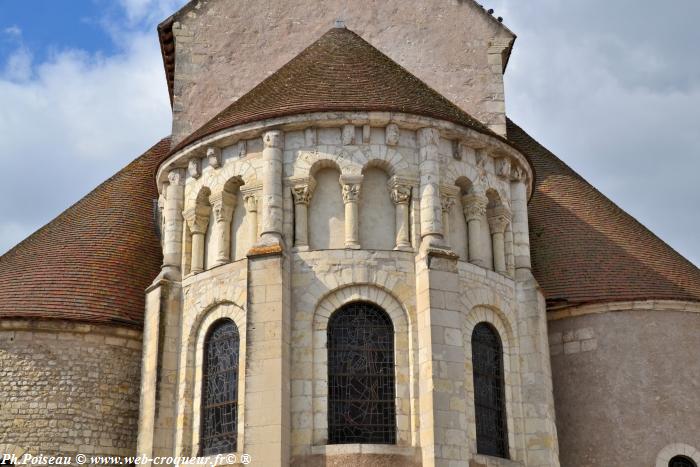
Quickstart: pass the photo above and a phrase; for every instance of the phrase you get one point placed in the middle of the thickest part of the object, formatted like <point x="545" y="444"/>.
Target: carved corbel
<point x="194" y="168"/>
<point x="214" y="157"/>
<point x="392" y="134"/>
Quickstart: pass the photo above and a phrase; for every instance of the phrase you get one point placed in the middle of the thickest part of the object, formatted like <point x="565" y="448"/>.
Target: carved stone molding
<point x="503" y="167"/>
<point x="348" y="134"/>
<point x="392" y="134"/>
<point x="214" y="157"/>
<point x="194" y="168"/>
<point x="428" y="137"/>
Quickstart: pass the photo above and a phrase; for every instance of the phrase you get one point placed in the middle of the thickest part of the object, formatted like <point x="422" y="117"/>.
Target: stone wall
<point x="625" y="383"/>
<point x="226" y="47"/>
<point x="68" y="388"/>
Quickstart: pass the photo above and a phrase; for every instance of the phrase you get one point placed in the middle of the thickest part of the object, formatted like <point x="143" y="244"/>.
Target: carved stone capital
<point x="517" y="174"/>
<point x="499" y="218"/>
<point x="214" y="157"/>
<point x="197" y="219"/>
<point x="273" y="139"/>
<point x="446" y="203"/>
<point x="351" y="192"/>
<point x="176" y="177"/>
<point x="302" y="190"/>
<point x="194" y="168"/>
<point x="503" y="167"/>
<point x="481" y="159"/>
<point x="392" y="134"/>
<point x="401" y="194"/>
<point x="474" y="205"/>
<point x="428" y="137"/>
<point x="223" y="205"/>
<point x="251" y="202"/>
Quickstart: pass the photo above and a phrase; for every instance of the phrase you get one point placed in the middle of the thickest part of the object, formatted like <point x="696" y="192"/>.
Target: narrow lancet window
<point x="489" y="392"/>
<point x="219" y="423"/>
<point x="361" y="394"/>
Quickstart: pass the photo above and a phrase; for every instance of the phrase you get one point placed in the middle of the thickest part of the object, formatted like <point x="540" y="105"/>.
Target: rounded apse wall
<point x="68" y="388"/>
<point x="626" y="384"/>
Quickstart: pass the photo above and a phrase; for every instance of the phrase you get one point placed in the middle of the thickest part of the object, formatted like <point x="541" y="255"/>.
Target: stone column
<point x="474" y="205"/>
<point x="223" y="205"/>
<point x="302" y="191"/>
<point x="197" y="220"/>
<point x="273" y="143"/>
<point x="448" y="196"/>
<point x="510" y="261"/>
<point x="499" y="218"/>
<point x="400" y="192"/>
<point x="351" y="197"/>
<point x="521" y="236"/>
<point x="172" y="227"/>
<point x="430" y="208"/>
<point x="251" y="206"/>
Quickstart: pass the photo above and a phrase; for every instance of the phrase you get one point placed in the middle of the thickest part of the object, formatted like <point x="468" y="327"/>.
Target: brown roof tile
<point x="338" y="72"/>
<point x="94" y="261"/>
<point x="586" y="249"/>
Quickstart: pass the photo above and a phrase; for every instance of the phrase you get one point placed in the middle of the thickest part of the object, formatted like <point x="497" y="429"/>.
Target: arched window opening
<point x="681" y="461"/>
<point x="489" y="392"/>
<point x="219" y="423"/>
<point x="361" y="387"/>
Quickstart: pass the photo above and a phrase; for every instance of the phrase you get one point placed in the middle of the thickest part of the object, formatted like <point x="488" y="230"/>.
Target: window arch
<point x="489" y="392"/>
<point x="361" y="386"/>
<point x="681" y="461"/>
<point x="219" y="423"/>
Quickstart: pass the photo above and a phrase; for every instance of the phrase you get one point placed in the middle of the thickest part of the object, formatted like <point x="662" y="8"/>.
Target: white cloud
<point x="13" y="31"/>
<point x="72" y="121"/>
<point x="611" y="88"/>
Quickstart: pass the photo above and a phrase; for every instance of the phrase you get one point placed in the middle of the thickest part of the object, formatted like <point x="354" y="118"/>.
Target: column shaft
<point x="430" y="210"/>
<point x="499" y="257"/>
<point x="401" y="196"/>
<point x="521" y="236"/>
<point x="272" y="187"/>
<point x="474" y="205"/>
<point x="351" y="197"/>
<point x="172" y="230"/>
<point x="223" y="206"/>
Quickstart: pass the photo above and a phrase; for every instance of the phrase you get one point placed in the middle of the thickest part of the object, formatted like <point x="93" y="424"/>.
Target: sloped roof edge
<point x="585" y="249"/>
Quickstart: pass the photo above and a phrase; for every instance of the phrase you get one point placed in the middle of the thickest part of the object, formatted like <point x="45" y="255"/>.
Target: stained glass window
<point x="681" y="461"/>
<point x="219" y="425"/>
<point x="489" y="393"/>
<point x="361" y="394"/>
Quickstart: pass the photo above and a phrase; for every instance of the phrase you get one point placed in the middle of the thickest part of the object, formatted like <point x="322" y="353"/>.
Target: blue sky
<point x="612" y="87"/>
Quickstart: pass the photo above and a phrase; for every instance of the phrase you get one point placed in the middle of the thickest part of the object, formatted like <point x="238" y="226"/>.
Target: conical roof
<point x="94" y="261"/>
<point x="339" y="72"/>
<point x="585" y="249"/>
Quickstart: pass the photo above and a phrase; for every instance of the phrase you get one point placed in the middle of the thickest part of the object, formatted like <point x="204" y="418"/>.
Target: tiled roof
<point x="94" y="261"/>
<point x="338" y="72"/>
<point x="585" y="249"/>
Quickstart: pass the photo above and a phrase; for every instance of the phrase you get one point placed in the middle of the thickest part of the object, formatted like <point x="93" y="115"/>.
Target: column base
<point x="352" y="246"/>
<point x="408" y="247"/>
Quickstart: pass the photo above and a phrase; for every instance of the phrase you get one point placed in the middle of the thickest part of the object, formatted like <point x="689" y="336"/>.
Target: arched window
<point x="219" y="424"/>
<point x="361" y="401"/>
<point x="681" y="461"/>
<point x="489" y="392"/>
